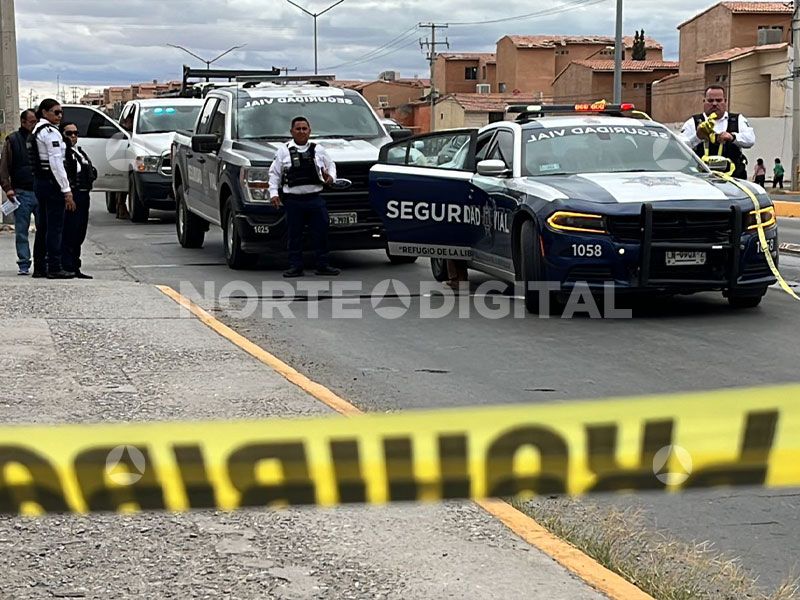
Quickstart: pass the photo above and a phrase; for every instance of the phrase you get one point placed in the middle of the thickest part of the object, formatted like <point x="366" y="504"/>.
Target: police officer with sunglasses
<point x="47" y="151"/>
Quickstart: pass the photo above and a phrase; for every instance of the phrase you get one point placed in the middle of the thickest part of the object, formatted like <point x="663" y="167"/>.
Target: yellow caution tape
<point x="671" y="443"/>
<point x="762" y="238"/>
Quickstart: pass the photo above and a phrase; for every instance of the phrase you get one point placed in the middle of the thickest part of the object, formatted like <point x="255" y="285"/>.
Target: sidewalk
<point x="113" y="350"/>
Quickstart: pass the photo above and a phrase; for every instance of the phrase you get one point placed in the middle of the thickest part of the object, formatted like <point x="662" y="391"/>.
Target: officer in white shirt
<point x="296" y="178"/>
<point x="46" y="150"/>
<point x="732" y="130"/>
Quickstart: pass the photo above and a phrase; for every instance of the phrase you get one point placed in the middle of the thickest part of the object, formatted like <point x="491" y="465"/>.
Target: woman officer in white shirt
<point x="51" y="185"/>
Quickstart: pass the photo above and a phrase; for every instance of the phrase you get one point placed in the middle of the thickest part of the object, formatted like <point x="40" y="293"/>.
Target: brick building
<point x="465" y="72"/>
<point x="589" y="80"/>
<point x="529" y="64"/>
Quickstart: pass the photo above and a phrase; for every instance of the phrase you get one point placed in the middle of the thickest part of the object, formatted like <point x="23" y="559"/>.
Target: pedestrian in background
<point x="46" y="151"/>
<point x="777" y="174"/>
<point x="760" y="174"/>
<point x="81" y="174"/>
<point x="16" y="178"/>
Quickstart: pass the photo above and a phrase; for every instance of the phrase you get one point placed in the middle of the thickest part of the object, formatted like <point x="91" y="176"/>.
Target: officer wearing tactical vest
<point x="732" y="132"/>
<point x="47" y="151"/>
<point x="16" y="177"/>
<point x="81" y="175"/>
<point x="296" y="178"/>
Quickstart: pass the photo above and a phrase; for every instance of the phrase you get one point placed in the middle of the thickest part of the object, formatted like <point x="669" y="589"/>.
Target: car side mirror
<point x="205" y="143"/>
<point x="718" y="164"/>
<point x="492" y="168"/>
<point x="400" y="134"/>
<point x="109" y="131"/>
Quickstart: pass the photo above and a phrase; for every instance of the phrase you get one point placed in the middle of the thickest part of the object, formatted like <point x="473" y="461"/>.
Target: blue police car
<point x="586" y="193"/>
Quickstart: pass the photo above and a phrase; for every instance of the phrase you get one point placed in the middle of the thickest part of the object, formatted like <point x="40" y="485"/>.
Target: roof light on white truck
<point x="255" y="183"/>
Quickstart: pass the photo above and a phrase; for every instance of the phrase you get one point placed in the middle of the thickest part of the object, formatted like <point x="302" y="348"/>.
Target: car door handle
<point x="384" y="182"/>
<point x="201" y="160"/>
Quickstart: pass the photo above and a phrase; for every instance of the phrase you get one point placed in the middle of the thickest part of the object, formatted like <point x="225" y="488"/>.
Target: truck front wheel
<point x="234" y="255"/>
<point x="191" y="229"/>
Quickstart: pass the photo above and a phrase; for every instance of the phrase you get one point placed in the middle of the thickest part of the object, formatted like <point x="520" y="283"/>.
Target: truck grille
<point x="165" y="164"/>
<point x="675" y="226"/>
<point x="356" y="197"/>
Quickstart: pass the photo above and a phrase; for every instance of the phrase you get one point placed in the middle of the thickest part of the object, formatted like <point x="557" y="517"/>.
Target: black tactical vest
<point x="83" y="179"/>
<point x="729" y="149"/>
<point x="302" y="169"/>
<point x="40" y="166"/>
<point x="21" y="170"/>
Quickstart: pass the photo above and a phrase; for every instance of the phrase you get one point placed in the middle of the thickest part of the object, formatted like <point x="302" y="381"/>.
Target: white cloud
<point x="97" y="42"/>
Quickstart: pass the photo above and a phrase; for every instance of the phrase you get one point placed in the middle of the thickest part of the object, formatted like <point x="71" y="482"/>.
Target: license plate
<point x="685" y="257"/>
<point x="348" y="218"/>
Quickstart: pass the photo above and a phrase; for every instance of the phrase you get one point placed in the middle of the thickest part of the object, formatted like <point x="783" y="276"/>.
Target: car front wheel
<point x="439" y="269"/>
<point x="531" y="271"/>
<point x="136" y="206"/>
<point x="746" y="301"/>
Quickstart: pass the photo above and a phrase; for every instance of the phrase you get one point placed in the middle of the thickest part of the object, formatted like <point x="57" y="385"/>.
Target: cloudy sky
<point x="93" y="43"/>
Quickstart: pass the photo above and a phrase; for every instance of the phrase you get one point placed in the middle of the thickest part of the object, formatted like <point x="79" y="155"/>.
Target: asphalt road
<point x="386" y="364"/>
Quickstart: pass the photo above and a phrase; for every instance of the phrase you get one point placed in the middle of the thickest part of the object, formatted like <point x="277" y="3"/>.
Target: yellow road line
<point x="787" y="209"/>
<point x="563" y="552"/>
<point x="575" y="561"/>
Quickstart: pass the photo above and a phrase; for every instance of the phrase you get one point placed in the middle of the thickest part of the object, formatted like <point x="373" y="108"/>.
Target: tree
<point x="639" y="47"/>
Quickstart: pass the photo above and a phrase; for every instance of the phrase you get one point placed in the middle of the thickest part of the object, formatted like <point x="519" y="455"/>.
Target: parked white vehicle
<point x="132" y="156"/>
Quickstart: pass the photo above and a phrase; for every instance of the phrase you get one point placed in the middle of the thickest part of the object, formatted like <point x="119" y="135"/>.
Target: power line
<point x="375" y="52"/>
<point x="541" y="13"/>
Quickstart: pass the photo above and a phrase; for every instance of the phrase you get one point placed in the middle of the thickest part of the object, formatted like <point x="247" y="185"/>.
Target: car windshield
<point x="162" y="119"/>
<point x="329" y="116"/>
<point x="604" y="149"/>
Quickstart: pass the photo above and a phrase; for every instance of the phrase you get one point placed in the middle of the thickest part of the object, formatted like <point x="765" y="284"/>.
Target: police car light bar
<point x="531" y="110"/>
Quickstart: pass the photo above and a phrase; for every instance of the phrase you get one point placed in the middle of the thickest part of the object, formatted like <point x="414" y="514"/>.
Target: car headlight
<point x="767" y="218"/>
<point x="147" y="164"/>
<point x="571" y="221"/>
<point x="255" y="184"/>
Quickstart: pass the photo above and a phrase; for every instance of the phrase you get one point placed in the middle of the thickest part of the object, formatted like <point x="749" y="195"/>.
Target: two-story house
<point x="742" y="46"/>
<point x="529" y="64"/>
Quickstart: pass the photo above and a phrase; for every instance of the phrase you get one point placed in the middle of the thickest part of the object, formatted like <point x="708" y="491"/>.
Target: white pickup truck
<point x="132" y="156"/>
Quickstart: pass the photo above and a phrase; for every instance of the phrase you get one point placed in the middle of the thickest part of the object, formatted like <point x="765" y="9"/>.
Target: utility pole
<point x="9" y="90"/>
<point x="618" y="49"/>
<point x="431" y="45"/>
<point x="796" y="97"/>
<point x="201" y="59"/>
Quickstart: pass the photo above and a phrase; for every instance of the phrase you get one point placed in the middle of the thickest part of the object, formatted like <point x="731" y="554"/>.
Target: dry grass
<point x="664" y="567"/>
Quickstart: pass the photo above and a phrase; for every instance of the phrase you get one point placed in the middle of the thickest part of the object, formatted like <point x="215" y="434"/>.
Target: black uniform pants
<point x="302" y="209"/>
<point x="75" y="224"/>
<point x="47" y="244"/>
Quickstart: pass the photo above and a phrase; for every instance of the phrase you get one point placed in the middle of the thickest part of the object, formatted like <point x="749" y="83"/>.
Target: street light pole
<point x="796" y="97"/>
<point x="201" y="59"/>
<point x="618" y="56"/>
<point x="315" y="15"/>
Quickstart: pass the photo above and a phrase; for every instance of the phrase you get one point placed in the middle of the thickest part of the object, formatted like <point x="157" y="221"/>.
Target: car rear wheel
<point x="439" y="269"/>
<point x="531" y="270"/>
<point x="746" y="301"/>
<point x="234" y="255"/>
<point x="191" y="229"/>
<point x="136" y="206"/>
<point x="111" y="202"/>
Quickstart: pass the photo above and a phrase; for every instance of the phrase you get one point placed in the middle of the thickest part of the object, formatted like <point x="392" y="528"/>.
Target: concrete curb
<point x="787" y="209"/>
<point x="789" y="248"/>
